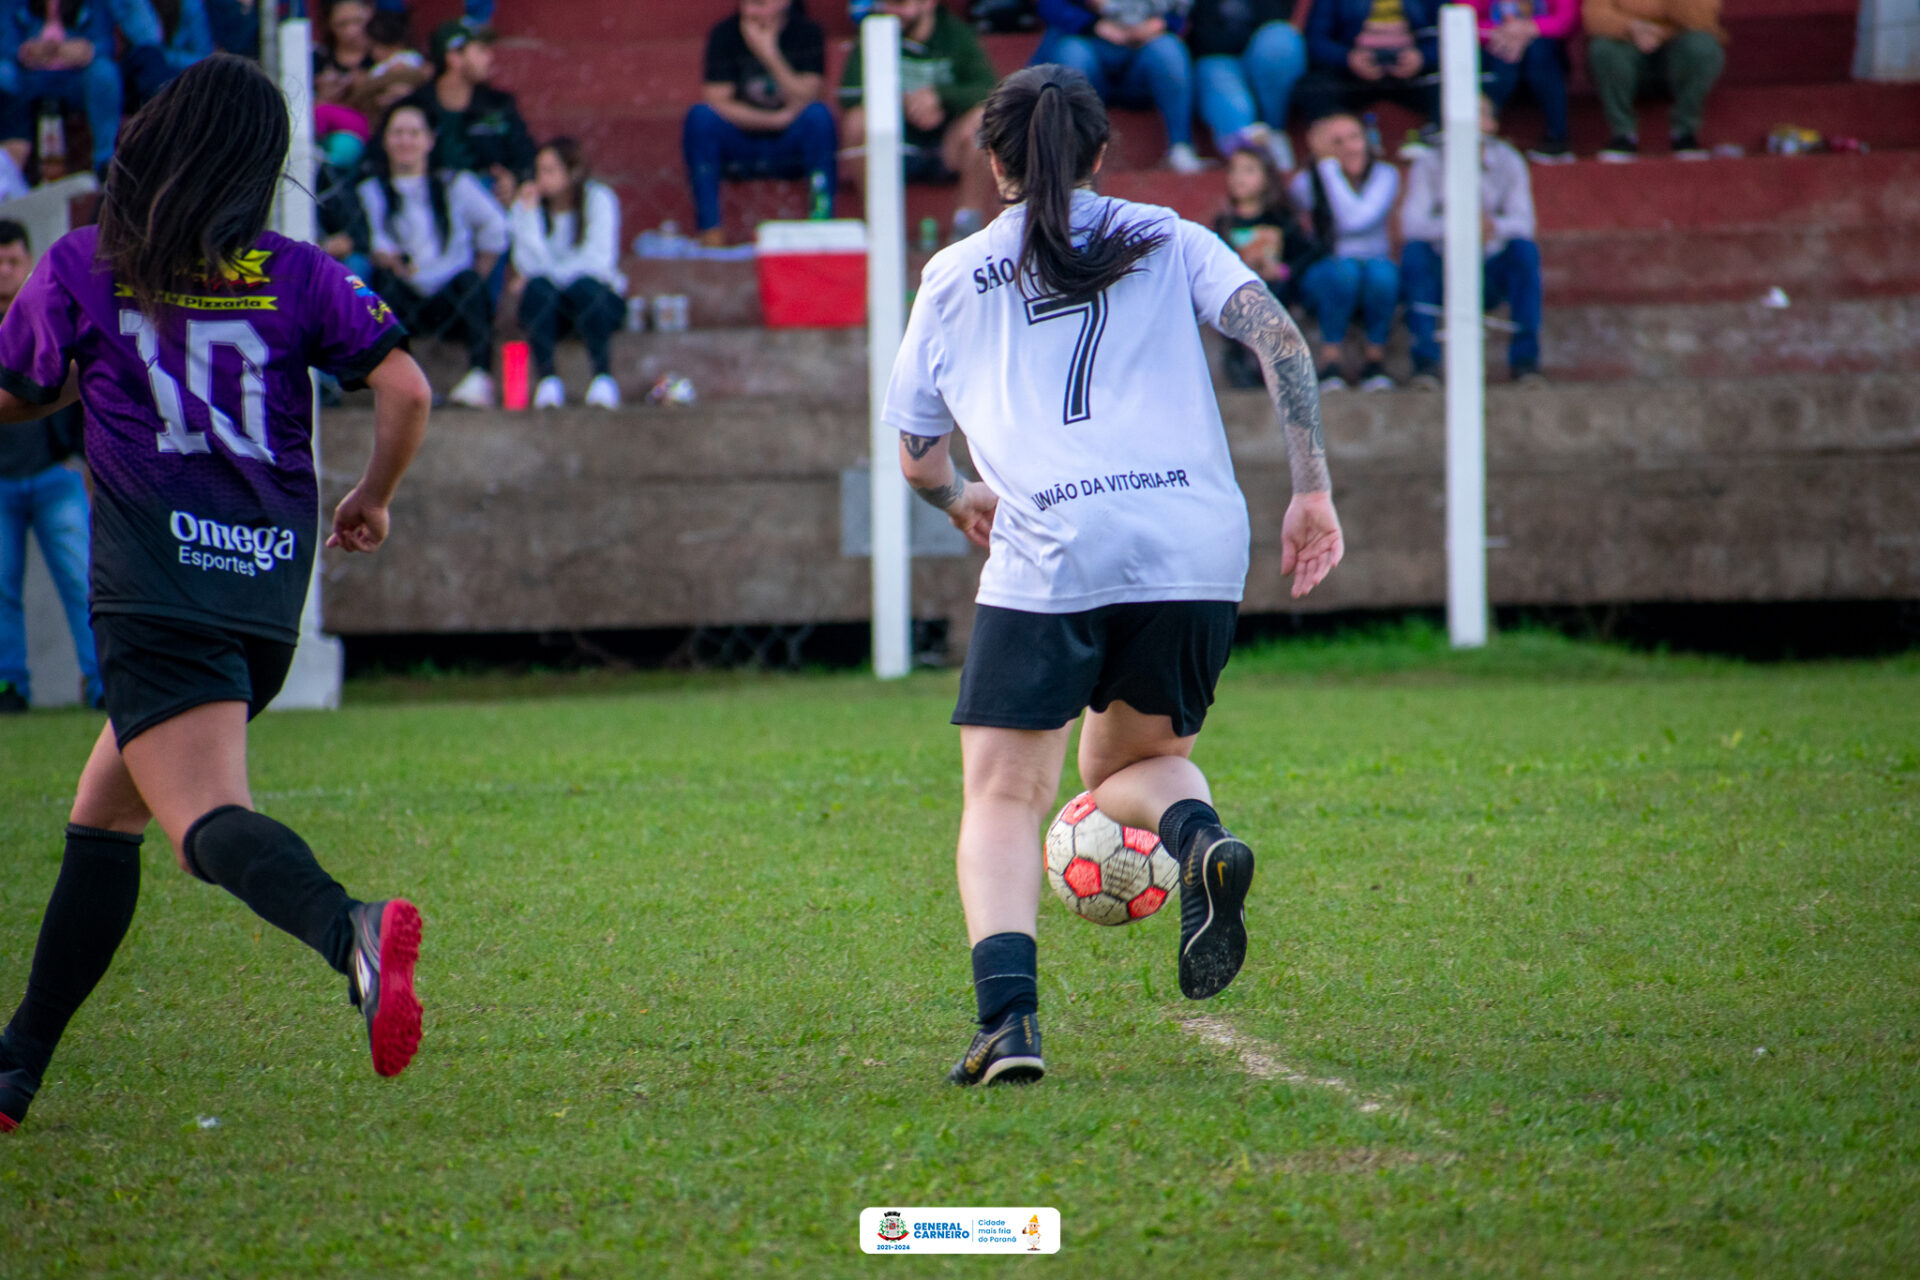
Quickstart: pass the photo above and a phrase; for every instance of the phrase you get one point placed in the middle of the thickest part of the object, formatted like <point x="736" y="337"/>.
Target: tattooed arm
<point x="1310" y="538"/>
<point x="927" y="463"/>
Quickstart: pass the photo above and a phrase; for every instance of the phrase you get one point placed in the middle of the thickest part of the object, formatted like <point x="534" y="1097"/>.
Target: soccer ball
<point x="1105" y="872"/>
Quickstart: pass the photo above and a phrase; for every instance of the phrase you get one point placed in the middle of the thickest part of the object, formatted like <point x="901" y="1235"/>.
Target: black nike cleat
<point x="386" y="943"/>
<point x="1214" y="879"/>
<point x="1009" y="1054"/>
<point x="17" y="1088"/>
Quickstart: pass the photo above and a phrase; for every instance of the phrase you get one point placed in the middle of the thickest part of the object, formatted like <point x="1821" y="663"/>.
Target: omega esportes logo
<point x="248" y="550"/>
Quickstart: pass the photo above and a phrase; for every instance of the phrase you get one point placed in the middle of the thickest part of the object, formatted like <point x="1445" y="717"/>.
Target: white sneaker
<point x="1181" y="158"/>
<point x="550" y="394"/>
<point x="1280" y="147"/>
<point x="603" y="392"/>
<point x="475" y="391"/>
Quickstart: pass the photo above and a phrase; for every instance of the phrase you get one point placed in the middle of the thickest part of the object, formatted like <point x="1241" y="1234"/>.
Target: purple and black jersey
<point x="199" y="424"/>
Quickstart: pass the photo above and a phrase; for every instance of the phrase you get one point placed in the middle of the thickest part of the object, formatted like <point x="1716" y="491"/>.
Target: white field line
<point x="1257" y="1058"/>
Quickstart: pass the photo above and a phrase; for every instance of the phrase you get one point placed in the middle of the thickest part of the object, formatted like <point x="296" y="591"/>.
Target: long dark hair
<point x="1047" y="126"/>
<point x="193" y="178"/>
<point x="567" y="152"/>
<point x="1276" y="204"/>
<point x="382" y="166"/>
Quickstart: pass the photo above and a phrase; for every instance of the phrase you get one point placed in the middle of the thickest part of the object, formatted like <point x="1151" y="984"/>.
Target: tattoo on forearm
<point x="1254" y="317"/>
<point x="917" y="447"/>
<point x="942" y="496"/>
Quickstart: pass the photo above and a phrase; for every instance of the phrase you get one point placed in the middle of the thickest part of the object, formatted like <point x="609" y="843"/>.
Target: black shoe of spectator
<point x="1330" y="379"/>
<point x="1686" y="146"/>
<point x="1620" y="149"/>
<point x="1552" y="151"/>
<point x="1426" y="376"/>
<point x="1373" y="377"/>
<point x="12" y="701"/>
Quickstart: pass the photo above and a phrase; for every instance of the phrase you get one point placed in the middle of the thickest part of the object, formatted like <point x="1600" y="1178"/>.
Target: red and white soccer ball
<point x="1105" y="872"/>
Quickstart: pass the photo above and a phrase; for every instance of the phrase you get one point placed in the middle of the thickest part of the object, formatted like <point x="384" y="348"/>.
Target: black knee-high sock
<point x="87" y="916"/>
<point x="268" y="867"/>
<point x="1181" y="820"/>
<point x="1006" y="978"/>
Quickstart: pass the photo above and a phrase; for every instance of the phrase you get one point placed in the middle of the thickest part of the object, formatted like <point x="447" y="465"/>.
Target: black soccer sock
<point x="271" y="869"/>
<point x="87" y="916"/>
<point x="1181" y="820"/>
<point x="1006" y="977"/>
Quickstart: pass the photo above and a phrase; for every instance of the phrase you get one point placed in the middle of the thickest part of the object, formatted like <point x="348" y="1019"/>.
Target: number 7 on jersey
<point x="1093" y="322"/>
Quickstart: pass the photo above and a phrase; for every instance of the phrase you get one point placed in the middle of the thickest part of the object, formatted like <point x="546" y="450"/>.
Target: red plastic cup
<point x="513" y="375"/>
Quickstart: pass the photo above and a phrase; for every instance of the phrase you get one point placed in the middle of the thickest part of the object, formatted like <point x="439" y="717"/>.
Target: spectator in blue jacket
<point x="59" y="49"/>
<point x="1130" y="51"/>
<point x="164" y="38"/>
<point x="1363" y="51"/>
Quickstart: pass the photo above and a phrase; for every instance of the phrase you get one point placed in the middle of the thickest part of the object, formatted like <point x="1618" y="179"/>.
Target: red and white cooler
<point x="813" y="275"/>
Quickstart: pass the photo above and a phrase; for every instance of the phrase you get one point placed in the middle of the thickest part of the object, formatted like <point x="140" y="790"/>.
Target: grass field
<point x="1565" y="962"/>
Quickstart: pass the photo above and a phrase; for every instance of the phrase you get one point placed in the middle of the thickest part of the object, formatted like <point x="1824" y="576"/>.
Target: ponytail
<point x="1048" y="127"/>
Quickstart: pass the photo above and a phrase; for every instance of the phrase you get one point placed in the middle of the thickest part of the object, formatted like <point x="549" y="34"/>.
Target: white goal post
<point x="1465" y="311"/>
<point x="892" y="554"/>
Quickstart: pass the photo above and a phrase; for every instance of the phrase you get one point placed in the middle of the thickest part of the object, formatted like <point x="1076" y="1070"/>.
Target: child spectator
<point x="478" y="128"/>
<point x="1364" y="51"/>
<point x="566" y="245"/>
<point x="63" y="50"/>
<point x="1631" y="42"/>
<point x="1512" y="270"/>
<point x="944" y="78"/>
<point x="340" y="68"/>
<point x="1131" y="52"/>
<point x="435" y="238"/>
<point x="762" y="116"/>
<point x="1350" y="194"/>
<point x="1261" y="223"/>
<point x="1247" y="57"/>
<point x="164" y="38"/>
<point x="1526" y="41"/>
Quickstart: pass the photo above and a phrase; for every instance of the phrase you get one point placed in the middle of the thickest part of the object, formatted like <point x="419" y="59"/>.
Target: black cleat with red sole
<point x="1214" y="878"/>
<point x="386" y="945"/>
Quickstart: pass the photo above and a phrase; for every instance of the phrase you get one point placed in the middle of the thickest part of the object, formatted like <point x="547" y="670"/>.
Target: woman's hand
<point x="359" y="523"/>
<point x="972" y="512"/>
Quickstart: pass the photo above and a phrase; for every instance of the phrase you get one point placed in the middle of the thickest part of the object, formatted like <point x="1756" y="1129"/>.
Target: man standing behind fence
<point x="37" y="492"/>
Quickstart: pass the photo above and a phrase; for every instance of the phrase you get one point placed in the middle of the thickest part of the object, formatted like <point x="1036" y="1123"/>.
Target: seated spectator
<point x="435" y="237"/>
<point x="478" y="127"/>
<point x="1525" y="41"/>
<point x="1247" y="57"/>
<point x="1633" y="42"/>
<point x="63" y="50"/>
<point x="235" y="26"/>
<point x="397" y="70"/>
<point x="762" y="116"/>
<point x="1349" y="194"/>
<point x="1512" y="270"/>
<point x="340" y="68"/>
<point x="1267" y="231"/>
<point x="1130" y="51"/>
<point x="1366" y="51"/>
<point x="944" y="79"/>
<point x="566" y="246"/>
<point x="38" y="493"/>
<point x="164" y="38"/>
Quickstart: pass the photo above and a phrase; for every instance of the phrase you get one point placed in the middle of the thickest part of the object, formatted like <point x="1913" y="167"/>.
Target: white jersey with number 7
<point x="1094" y="422"/>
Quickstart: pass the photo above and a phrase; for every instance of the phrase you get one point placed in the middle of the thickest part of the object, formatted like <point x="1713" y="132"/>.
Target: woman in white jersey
<point x="1064" y="339"/>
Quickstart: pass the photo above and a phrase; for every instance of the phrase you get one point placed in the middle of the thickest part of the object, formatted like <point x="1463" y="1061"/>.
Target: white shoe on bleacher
<point x="1181" y="158"/>
<point x="550" y="394"/>
<point x="475" y="391"/>
<point x="603" y="392"/>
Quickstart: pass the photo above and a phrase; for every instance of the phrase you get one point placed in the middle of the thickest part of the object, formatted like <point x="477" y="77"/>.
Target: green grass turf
<point x="1624" y="947"/>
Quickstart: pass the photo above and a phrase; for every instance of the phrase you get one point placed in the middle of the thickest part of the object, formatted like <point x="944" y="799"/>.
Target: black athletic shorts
<point x="155" y="668"/>
<point x="1041" y="670"/>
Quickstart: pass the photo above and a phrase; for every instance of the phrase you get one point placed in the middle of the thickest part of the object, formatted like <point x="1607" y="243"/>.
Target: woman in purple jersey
<point x="187" y="330"/>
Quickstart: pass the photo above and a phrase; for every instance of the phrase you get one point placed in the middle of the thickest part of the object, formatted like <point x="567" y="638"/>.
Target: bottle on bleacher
<point x="436" y="237"/>
<point x="1636" y="44"/>
<point x="945" y="76"/>
<point x="763" y="113"/>
<point x="566" y="246"/>
<point x="1131" y="52"/>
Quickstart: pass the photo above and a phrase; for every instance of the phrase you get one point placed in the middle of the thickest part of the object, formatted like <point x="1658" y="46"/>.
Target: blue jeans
<point x="1159" y="73"/>
<point x="1335" y="287"/>
<point x="1234" y="92"/>
<point x="715" y="148"/>
<point x="1511" y="276"/>
<point x="96" y="87"/>
<point x="53" y="504"/>
<point x="1544" y="69"/>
